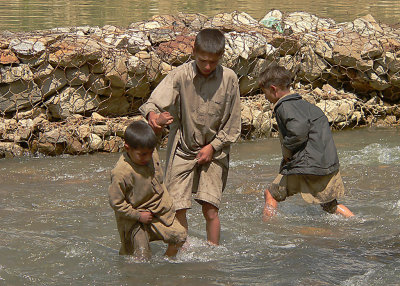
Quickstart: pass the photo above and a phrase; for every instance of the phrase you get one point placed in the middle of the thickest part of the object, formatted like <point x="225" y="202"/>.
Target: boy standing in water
<point x="203" y="103"/>
<point x="143" y="208"/>
<point x="310" y="163"/>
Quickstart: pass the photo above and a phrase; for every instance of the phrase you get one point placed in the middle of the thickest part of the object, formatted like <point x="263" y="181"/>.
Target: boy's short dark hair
<point x="140" y="135"/>
<point x="210" y="41"/>
<point x="275" y="75"/>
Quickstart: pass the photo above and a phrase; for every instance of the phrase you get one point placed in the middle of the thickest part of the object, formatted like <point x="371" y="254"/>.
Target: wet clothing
<point x="206" y="181"/>
<point x="314" y="189"/>
<point x="306" y="138"/>
<point x="135" y="188"/>
<point x="206" y="110"/>
<point x="310" y="164"/>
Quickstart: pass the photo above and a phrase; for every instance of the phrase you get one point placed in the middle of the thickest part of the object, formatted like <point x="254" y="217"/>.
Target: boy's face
<point x="139" y="156"/>
<point x="206" y="62"/>
<point x="270" y="94"/>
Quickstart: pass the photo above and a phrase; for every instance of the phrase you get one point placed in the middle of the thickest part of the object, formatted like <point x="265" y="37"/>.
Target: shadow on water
<point x="57" y="228"/>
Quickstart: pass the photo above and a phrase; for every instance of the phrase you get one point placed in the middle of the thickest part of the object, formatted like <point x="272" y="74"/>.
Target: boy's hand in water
<point x="145" y="217"/>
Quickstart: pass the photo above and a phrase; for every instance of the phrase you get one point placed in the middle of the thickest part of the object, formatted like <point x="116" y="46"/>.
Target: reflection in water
<point x="20" y="15"/>
<point x="56" y="227"/>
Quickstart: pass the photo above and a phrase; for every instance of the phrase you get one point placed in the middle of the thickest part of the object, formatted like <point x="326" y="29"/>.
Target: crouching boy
<point x="310" y="163"/>
<point x="142" y="205"/>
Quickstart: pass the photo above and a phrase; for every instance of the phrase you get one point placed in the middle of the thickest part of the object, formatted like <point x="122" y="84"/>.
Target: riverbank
<point x="73" y="90"/>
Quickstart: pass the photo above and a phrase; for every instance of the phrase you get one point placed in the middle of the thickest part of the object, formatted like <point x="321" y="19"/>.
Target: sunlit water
<point x="56" y="227"/>
<point x="22" y="15"/>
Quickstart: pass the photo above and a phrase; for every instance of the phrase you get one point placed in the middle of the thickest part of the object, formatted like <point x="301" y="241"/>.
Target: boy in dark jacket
<point x="310" y="163"/>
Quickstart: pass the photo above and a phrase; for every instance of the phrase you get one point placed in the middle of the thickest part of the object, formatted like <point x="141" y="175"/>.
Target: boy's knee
<point x="210" y="212"/>
<point x="330" y="207"/>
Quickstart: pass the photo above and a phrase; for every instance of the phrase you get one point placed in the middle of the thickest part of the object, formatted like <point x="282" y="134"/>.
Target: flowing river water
<point x="56" y="227"/>
<point x="22" y="15"/>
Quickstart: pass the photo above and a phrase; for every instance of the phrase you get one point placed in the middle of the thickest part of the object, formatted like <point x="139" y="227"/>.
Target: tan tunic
<point x="206" y="110"/>
<point x="136" y="188"/>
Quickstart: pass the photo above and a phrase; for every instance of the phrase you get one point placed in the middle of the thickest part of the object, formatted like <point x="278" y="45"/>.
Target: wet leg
<point x="344" y="211"/>
<point x="173" y="249"/>
<point x="270" y="206"/>
<point x="213" y="225"/>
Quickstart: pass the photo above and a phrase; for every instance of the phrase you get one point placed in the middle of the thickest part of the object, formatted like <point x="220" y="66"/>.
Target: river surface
<point x="56" y="227"/>
<point x="23" y="15"/>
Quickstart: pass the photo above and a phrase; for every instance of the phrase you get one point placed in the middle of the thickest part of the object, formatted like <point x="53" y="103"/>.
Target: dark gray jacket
<point x="306" y="133"/>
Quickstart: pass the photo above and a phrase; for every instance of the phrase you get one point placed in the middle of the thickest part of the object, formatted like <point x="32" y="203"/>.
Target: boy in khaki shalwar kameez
<point x="201" y="99"/>
<point x="142" y="205"/>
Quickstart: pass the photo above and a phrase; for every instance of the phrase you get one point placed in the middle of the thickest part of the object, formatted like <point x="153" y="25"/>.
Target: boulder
<point x="77" y="76"/>
<point x="53" y="83"/>
<point x="75" y="51"/>
<point x="10" y="149"/>
<point x="19" y="95"/>
<point x="113" y="144"/>
<point x="302" y="22"/>
<point x="72" y="100"/>
<point x="177" y="51"/>
<point x="8" y="57"/>
<point x="114" y="106"/>
<point x="138" y="86"/>
<point x="11" y="74"/>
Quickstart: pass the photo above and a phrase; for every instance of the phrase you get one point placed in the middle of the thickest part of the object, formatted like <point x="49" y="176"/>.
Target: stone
<point x="72" y="100"/>
<point x="33" y="61"/>
<point x="232" y="21"/>
<point x="135" y="65"/>
<point x="53" y="83"/>
<point x="365" y="26"/>
<point x="101" y="130"/>
<point x="285" y="45"/>
<point x="47" y="148"/>
<point x="57" y="135"/>
<point x="302" y="22"/>
<point x="75" y="51"/>
<point x="10" y="149"/>
<point x="138" y="41"/>
<point x="94" y="142"/>
<point x="84" y="131"/>
<point x="8" y="57"/>
<point x="246" y="45"/>
<point x="97" y="117"/>
<point x="77" y="76"/>
<point x="153" y="63"/>
<point x="97" y="84"/>
<point x="113" y="144"/>
<point x="114" y="106"/>
<point x="19" y="95"/>
<point x="337" y="110"/>
<point x="377" y="82"/>
<point x="27" y="47"/>
<point x="312" y="66"/>
<point x="138" y="86"/>
<point x="161" y="35"/>
<point x="42" y="72"/>
<point x="195" y="21"/>
<point x="247" y="84"/>
<point x="116" y="71"/>
<point x="177" y="51"/>
<point x="11" y="74"/>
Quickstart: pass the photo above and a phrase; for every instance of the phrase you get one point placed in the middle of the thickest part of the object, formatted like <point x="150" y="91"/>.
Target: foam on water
<point x="372" y="154"/>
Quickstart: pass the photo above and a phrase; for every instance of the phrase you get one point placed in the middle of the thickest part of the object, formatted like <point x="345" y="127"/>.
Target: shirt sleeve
<point x="117" y="198"/>
<point x="231" y="127"/>
<point x="296" y="127"/>
<point x="163" y="97"/>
